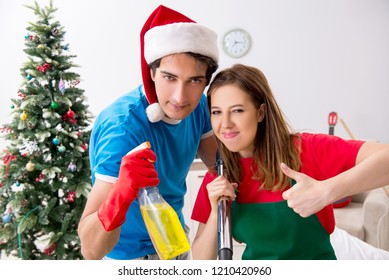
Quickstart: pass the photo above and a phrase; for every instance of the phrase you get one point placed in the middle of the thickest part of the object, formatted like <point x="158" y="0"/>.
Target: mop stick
<point x="347" y="129"/>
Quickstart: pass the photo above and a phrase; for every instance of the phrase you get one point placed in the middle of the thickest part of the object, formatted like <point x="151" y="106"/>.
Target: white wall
<point x="318" y="55"/>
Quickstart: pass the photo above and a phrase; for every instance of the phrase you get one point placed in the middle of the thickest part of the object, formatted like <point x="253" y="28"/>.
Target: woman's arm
<point x="204" y="246"/>
<point x="371" y="171"/>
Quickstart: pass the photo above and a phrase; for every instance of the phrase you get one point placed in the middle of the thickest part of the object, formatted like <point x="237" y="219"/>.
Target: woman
<point x="282" y="184"/>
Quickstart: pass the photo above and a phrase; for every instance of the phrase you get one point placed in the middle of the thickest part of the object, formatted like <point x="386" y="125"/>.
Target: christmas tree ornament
<point x="24" y="203"/>
<point x="70" y="117"/>
<point x="54" y="31"/>
<point x="29" y="77"/>
<point x="7" y="218"/>
<point x="43" y="68"/>
<point x="71" y="196"/>
<point x="61" y="86"/>
<point x="30" y="125"/>
<point x="72" y="167"/>
<point x="74" y="83"/>
<point x="4" y="129"/>
<point x="7" y="161"/>
<point x="30" y="166"/>
<point x="40" y="178"/>
<point x="12" y="106"/>
<point x="23" y="116"/>
<point x="61" y="149"/>
<point x="40" y="46"/>
<point x="54" y="105"/>
<point x="56" y="141"/>
<point x="28" y="147"/>
<point x="22" y="96"/>
<point x="70" y="113"/>
<point x="17" y="184"/>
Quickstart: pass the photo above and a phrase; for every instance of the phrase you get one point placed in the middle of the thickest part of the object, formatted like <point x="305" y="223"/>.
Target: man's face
<point x="179" y="83"/>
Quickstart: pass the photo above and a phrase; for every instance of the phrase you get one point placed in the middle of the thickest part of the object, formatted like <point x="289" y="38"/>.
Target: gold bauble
<point x="30" y="166"/>
<point x="23" y="116"/>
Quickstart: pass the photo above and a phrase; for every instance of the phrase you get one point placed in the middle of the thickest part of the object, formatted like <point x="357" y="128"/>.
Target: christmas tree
<point x="44" y="171"/>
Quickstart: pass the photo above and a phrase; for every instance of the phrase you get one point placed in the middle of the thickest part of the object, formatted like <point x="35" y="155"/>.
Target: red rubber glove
<point x="136" y="171"/>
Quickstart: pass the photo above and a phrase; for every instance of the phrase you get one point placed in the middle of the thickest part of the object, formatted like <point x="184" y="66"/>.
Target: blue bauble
<point x="61" y="149"/>
<point x="56" y="141"/>
<point x="7" y="218"/>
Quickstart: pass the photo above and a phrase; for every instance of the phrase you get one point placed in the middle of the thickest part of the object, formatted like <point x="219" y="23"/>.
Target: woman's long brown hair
<point x="274" y="142"/>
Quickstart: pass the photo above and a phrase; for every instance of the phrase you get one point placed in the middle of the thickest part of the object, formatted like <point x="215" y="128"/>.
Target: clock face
<point x="236" y="43"/>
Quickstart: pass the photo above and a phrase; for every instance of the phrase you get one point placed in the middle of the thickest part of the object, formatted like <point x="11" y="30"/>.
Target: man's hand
<point x="136" y="171"/>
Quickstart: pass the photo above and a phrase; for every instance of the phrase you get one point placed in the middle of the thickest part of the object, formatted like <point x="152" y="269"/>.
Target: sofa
<point x="367" y="217"/>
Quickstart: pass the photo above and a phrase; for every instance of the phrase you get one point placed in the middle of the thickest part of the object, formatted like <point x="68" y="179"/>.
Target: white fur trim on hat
<point x="154" y="112"/>
<point x="178" y="38"/>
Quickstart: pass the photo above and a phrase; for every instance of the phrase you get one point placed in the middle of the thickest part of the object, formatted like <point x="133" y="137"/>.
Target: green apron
<point x="274" y="231"/>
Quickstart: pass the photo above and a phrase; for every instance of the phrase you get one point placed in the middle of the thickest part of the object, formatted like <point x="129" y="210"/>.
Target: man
<point x="178" y="58"/>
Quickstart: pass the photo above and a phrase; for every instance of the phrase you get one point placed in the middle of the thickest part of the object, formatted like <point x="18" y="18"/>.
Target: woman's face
<point x="235" y="119"/>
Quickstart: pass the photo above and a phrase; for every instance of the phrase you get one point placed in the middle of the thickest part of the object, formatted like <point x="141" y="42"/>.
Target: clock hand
<point x="237" y="42"/>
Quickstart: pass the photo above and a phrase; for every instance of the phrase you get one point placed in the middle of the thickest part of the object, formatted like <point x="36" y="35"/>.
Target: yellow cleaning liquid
<point x="165" y="230"/>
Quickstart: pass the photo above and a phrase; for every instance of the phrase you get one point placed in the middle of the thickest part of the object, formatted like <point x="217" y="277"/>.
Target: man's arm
<point x="108" y="203"/>
<point x="96" y="242"/>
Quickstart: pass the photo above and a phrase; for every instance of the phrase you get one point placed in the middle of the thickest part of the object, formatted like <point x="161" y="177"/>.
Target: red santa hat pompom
<point x="168" y="32"/>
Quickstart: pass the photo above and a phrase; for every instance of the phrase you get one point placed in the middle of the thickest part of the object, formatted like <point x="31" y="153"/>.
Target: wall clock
<point x="236" y="42"/>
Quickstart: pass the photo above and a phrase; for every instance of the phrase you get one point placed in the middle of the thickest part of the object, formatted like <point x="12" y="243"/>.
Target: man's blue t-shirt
<point x="124" y="125"/>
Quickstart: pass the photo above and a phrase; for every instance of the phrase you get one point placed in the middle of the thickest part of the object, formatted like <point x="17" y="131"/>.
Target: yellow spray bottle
<point x="162" y="222"/>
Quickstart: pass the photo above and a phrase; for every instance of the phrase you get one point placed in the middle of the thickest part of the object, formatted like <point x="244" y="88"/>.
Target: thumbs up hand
<point x="307" y="196"/>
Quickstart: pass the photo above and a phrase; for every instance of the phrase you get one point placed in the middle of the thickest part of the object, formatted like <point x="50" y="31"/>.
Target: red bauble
<point x="70" y="114"/>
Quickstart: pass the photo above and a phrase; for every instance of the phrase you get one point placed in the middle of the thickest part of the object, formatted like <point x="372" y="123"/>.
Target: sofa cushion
<point x="350" y="219"/>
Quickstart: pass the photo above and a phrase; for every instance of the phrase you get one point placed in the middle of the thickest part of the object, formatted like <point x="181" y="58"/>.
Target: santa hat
<point x="168" y="32"/>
